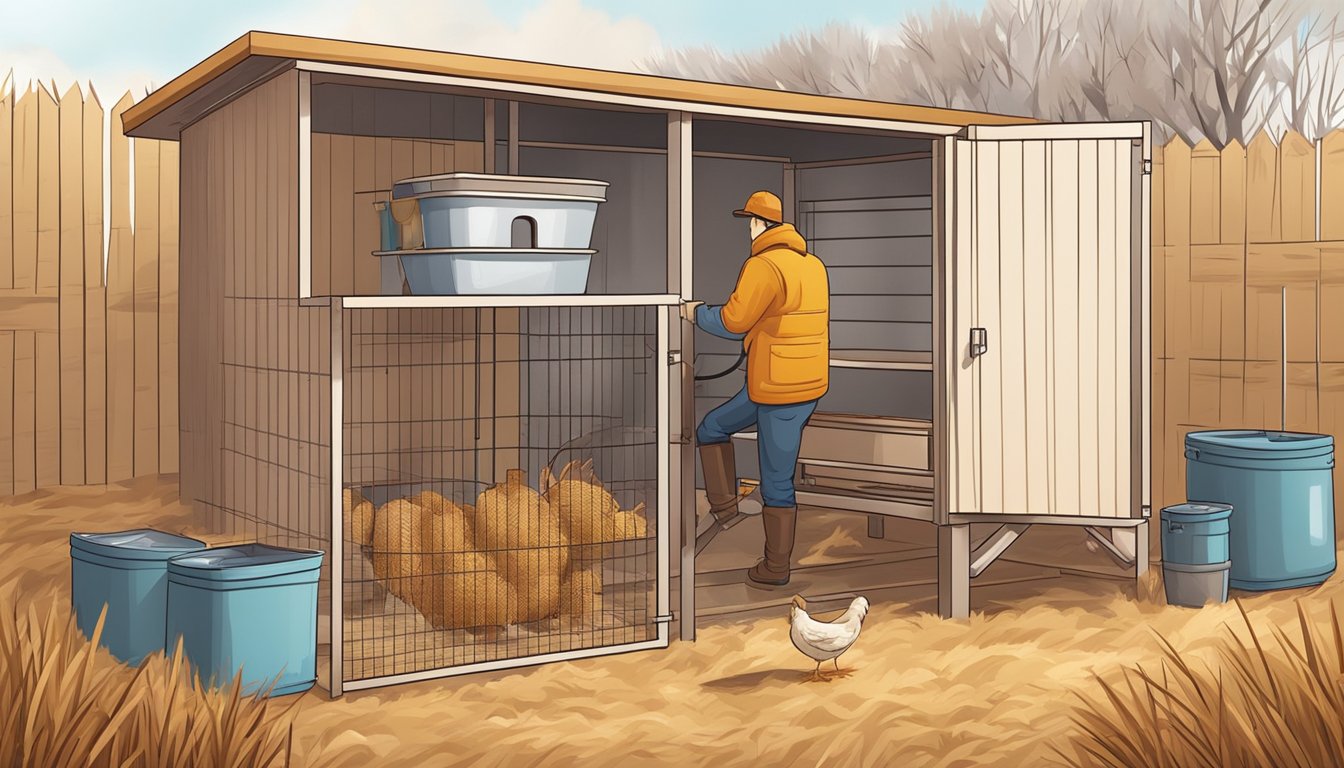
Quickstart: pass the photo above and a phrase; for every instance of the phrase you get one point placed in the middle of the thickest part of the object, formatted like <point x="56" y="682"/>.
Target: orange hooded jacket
<point x="782" y="303"/>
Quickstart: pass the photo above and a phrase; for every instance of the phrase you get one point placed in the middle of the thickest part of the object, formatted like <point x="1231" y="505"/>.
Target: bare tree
<point x="1221" y="69"/>
<point x="1315" y="77"/>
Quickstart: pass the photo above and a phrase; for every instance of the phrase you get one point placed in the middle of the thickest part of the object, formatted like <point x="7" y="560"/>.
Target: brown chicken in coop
<point x="457" y="586"/>
<point x="397" y="529"/>
<point x="367" y="593"/>
<point x="589" y="515"/>
<point x="515" y="526"/>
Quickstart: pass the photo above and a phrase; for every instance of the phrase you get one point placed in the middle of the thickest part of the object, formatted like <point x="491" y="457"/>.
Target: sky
<point x="136" y="43"/>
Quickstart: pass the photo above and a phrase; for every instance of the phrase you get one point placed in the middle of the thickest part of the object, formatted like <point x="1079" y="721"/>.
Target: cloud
<point x="557" y="31"/>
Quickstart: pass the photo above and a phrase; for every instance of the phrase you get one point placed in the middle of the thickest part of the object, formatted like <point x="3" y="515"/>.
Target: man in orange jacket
<point x="780" y="309"/>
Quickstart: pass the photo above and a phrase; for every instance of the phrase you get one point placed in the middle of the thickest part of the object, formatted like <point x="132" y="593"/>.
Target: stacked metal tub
<point x="468" y="223"/>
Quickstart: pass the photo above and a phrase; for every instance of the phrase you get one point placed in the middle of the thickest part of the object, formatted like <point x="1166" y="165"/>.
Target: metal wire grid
<point x="452" y="401"/>
<point x="274" y="432"/>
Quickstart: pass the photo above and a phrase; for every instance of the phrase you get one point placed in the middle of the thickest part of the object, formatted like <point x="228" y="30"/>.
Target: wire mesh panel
<point x="500" y="485"/>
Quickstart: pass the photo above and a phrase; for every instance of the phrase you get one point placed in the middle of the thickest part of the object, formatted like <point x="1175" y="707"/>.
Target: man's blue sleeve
<point x="710" y="320"/>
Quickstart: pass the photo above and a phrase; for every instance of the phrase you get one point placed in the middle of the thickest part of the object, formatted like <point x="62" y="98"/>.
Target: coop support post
<point x="680" y="281"/>
<point x="337" y="546"/>
<point x="305" y="141"/>
<point x="488" y="138"/>
<point x="1141" y="552"/>
<point x="954" y="571"/>
<point x="513" y="138"/>
<point x="664" y="470"/>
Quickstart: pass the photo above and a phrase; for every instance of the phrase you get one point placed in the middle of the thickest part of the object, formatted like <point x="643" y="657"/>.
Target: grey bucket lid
<point x="1258" y="440"/>
<point x="246" y="561"/>
<point x="1197" y="512"/>
<point x="498" y="185"/>
<point x="135" y="544"/>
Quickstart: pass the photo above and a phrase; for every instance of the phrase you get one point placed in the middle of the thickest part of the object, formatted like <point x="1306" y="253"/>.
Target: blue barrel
<point x="127" y="572"/>
<point x="1196" y="534"/>
<point x="1280" y="486"/>
<point x="251" y="606"/>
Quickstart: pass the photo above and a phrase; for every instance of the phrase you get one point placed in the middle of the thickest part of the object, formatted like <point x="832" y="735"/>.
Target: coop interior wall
<point x="871" y="224"/>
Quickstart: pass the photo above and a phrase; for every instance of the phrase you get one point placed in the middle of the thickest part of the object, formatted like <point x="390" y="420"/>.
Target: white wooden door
<point x="1045" y="268"/>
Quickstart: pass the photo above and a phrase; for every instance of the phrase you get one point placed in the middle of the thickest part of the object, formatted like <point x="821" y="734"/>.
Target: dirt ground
<point x="996" y="690"/>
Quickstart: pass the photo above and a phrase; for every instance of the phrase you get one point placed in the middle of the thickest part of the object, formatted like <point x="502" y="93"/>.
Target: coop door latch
<point x="979" y="342"/>
<point x="683" y="435"/>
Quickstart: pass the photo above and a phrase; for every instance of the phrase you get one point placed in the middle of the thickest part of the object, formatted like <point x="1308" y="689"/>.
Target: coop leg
<point x="954" y="571"/>
<point x="876" y="526"/>
<point x="1141" y="550"/>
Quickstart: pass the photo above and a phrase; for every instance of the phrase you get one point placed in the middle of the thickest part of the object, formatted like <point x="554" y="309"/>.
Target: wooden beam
<point x="1121" y="556"/>
<point x="29" y="313"/>
<point x="513" y="138"/>
<point x="954" y="571"/>
<point x="986" y="552"/>
<point x="488" y="135"/>
<point x="679" y="282"/>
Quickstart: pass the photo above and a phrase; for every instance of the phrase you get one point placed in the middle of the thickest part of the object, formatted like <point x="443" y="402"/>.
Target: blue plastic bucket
<point x="251" y="606"/>
<point x="1280" y="484"/>
<point x="127" y="572"/>
<point x="1196" y="534"/>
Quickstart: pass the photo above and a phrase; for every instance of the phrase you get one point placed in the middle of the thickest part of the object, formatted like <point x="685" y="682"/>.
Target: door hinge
<point x="673" y="358"/>
<point x="1147" y="167"/>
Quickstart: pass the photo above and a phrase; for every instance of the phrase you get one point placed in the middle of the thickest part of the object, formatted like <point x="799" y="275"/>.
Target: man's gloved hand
<point x="688" y="310"/>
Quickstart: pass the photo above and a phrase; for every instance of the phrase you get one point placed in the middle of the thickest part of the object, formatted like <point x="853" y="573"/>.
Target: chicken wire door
<point x="1045" y="289"/>
<point x="502" y="471"/>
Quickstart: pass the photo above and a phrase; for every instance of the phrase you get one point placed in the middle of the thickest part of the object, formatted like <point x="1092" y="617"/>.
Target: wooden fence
<point x="88" y="357"/>
<point x="1231" y="230"/>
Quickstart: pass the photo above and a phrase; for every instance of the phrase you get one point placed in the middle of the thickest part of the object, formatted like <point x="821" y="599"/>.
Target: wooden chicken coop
<point x="989" y="332"/>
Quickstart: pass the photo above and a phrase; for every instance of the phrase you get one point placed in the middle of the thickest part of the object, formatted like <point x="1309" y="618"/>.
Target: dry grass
<point x="1270" y="698"/>
<point x="998" y="689"/>
<point x="69" y="703"/>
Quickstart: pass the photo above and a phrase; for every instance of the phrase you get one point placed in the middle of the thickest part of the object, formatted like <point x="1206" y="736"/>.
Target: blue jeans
<point x="779" y="436"/>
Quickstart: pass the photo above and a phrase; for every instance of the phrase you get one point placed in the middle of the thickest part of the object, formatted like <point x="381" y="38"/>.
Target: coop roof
<point x="255" y="55"/>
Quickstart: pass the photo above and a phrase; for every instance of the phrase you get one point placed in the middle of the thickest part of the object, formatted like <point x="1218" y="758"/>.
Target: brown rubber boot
<point x="720" y="467"/>
<point x="773" y="569"/>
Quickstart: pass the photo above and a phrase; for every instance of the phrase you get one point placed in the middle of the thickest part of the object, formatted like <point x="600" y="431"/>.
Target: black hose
<point x="721" y="374"/>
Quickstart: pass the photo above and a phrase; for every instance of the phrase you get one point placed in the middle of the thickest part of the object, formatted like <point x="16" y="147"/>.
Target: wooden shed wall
<point x="255" y="364"/>
<point x="350" y="174"/>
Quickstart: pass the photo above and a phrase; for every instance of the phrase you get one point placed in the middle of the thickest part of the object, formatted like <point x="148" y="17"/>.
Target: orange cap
<point x="765" y="205"/>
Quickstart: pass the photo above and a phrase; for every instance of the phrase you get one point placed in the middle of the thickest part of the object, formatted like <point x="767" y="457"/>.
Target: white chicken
<point x="825" y="640"/>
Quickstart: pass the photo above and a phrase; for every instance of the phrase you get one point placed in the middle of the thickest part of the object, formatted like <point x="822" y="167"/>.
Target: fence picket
<point x="71" y="337"/>
<point x="95" y="298"/>
<point x="1332" y="185"/>
<point x="120" y="308"/>
<point x="6" y="197"/>
<point x="47" y="276"/>
<point x="146" y="322"/>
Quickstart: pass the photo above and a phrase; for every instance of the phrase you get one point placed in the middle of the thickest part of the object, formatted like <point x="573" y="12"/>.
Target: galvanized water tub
<point x="477" y="210"/>
<point x="494" y="271"/>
